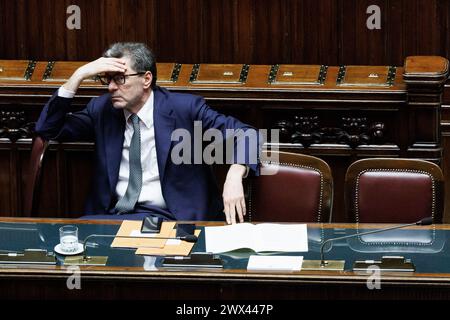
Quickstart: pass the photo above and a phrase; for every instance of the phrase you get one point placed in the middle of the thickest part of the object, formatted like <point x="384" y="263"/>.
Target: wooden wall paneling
<point x="445" y="133"/>
<point x="145" y="31"/>
<point x="445" y="11"/>
<point x="243" y="32"/>
<point x="421" y="28"/>
<point x="46" y="28"/>
<point x="8" y="16"/>
<point x="393" y="23"/>
<point x="130" y="9"/>
<point x="445" y="165"/>
<point x="20" y="39"/>
<point x="82" y="43"/>
<point x="56" y="41"/>
<point x="409" y="27"/>
<point x="401" y="130"/>
<point x="270" y="33"/>
<point x="315" y="32"/>
<point x="23" y="161"/>
<point x="221" y="34"/>
<point x="14" y="158"/>
<point x="179" y="31"/>
<point x="229" y="31"/>
<point x="51" y="192"/>
<point x="430" y="25"/>
<point x="79" y="172"/>
<point x="34" y="11"/>
<point x="22" y="174"/>
<point x="360" y="45"/>
<point x="13" y="169"/>
<point x="7" y="205"/>
<point x="113" y="22"/>
<point x="3" y="17"/>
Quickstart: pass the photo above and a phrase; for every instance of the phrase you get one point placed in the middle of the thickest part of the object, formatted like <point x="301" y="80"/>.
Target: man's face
<point x="131" y="94"/>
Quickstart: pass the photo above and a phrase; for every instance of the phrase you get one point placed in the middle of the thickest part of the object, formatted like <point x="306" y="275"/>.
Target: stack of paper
<point x="129" y="236"/>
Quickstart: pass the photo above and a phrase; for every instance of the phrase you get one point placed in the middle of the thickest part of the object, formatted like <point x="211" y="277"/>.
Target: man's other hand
<point x="233" y="194"/>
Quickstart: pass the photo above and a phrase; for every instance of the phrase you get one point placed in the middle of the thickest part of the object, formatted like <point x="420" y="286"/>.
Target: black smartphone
<point x="151" y="225"/>
<point x="184" y="229"/>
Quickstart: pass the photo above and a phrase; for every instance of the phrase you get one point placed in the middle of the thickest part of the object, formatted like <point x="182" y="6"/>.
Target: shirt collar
<point x="146" y="112"/>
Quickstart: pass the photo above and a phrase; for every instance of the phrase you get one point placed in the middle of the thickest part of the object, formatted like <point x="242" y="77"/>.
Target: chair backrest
<point x="294" y="188"/>
<point x="32" y="184"/>
<point x="384" y="190"/>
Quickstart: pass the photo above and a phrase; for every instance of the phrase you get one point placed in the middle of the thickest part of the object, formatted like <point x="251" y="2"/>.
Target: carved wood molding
<point x="13" y="125"/>
<point x="353" y="131"/>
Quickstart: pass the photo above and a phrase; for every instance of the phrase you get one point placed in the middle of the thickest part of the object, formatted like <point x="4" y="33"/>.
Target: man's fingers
<point x="112" y="67"/>
<point x="238" y="207"/>
<point x="226" y="210"/>
<point x="244" y="208"/>
<point x="116" y="64"/>
<point x="233" y="213"/>
<point x="102" y="65"/>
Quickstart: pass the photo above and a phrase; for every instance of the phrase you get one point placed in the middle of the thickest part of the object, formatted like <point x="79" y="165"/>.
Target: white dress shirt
<point x="151" y="185"/>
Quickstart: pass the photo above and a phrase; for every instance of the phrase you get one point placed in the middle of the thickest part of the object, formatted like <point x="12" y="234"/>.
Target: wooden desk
<point x="131" y="281"/>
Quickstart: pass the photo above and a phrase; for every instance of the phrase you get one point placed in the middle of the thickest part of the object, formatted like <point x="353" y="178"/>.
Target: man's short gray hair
<point x="142" y="58"/>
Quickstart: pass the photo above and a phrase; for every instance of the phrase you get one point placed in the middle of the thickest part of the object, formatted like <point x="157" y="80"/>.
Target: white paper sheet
<point x="282" y="263"/>
<point x="258" y="237"/>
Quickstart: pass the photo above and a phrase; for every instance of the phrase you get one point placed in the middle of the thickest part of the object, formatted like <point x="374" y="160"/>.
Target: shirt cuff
<point x="247" y="170"/>
<point x="64" y="93"/>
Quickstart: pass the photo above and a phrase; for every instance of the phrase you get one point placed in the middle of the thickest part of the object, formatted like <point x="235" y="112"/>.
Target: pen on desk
<point x="187" y="238"/>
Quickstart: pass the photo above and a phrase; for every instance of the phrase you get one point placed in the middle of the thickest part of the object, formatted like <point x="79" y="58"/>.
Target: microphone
<point x="424" y="222"/>
<point x="187" y="238"/>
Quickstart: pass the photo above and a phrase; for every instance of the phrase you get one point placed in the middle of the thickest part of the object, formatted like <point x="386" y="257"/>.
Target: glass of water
<point x="68" y="238"/>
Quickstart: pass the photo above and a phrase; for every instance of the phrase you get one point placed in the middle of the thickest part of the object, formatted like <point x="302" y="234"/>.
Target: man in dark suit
<point x="133" y="126"/>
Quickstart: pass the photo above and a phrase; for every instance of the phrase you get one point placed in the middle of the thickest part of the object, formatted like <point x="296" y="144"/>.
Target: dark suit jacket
<point x="190" y="190"/>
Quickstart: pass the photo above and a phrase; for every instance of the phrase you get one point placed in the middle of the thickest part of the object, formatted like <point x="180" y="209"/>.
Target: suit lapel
<point x="114" y="136"/>
<point x="164" y="124"/>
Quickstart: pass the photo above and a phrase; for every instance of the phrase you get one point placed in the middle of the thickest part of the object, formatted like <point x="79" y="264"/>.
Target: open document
<point x="258" y="237"/>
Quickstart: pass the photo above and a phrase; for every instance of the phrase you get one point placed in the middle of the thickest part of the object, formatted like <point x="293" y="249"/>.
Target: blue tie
<point x="128" y="201"/>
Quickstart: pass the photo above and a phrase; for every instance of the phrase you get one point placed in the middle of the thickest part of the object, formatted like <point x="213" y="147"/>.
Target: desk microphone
<point x="424" y="222"/>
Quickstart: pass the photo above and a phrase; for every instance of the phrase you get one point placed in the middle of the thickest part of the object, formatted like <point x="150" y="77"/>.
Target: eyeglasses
<point x="117" y="78"/>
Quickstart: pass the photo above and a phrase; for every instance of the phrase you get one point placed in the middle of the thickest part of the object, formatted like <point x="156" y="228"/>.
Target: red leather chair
<point x="32" y="184"/>
<point x="383" y="190"/>
<point x="294" y="188"/>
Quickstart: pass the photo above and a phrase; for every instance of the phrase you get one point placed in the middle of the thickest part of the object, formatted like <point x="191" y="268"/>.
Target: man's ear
<point x="148" y="77"/>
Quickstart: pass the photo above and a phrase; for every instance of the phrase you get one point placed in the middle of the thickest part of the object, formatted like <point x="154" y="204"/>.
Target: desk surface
<point x="127" y="275"/>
